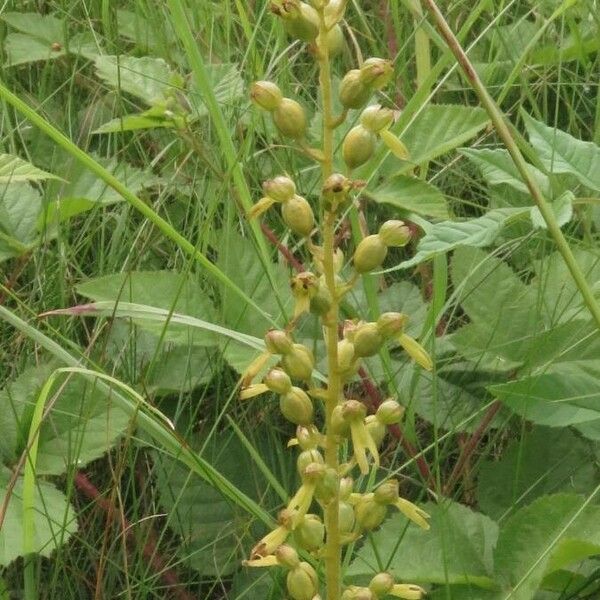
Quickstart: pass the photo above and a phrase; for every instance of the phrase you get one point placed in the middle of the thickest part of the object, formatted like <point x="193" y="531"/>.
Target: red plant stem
<point x="471" y="445"/>
<point x="149" y="551"/>
<point x="285" y="251"/>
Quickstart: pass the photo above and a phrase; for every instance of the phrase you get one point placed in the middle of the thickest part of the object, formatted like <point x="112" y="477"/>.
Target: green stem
<point x="507" y="138"/>
<point x="333" y="550"/>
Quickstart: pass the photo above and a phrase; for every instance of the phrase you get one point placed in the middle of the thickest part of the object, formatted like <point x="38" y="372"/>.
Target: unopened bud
<point x="381" y="584"/>
<point x="278" y="342"/>
<point x="280" y="188"/>
<point x="375" y="118"/>
<point x="369" y="514"/>
<point x="321" y="302"/>
<point x="346" y="485"/>
<point x="354" y="93"/>
<point x="299" y="362"/>
<point x="369" y="254"/>
<point x="376" y="72"/>
<point x="296" y="406"/>
<point x="310" y="533"/>
<point x="353" y="410"/>
<point x="358" y="146"/>
<point x="266" y="94"/>
<point x="306" y="458"/>
<point x="328" y="486"/>
<point x="391" y="323"/>
<point x="314" y="472"/>
<point x="366" y="339"/>
<point x="290" y="119"/>
<point x="335" y="40"/>
<point x="287" y="556"/>
<point x="308" y="437"/>
<point x="345" y="352"/>
<point x="302" y="582"/>
<point x="389" y="412"/>
<point x="300" y="20"/>
<point x="298" y="215"/>
<point x="339" y="424"/>
<point x="278" y="381"/>
<point x="355" y="592"/>
<point x="387" y="493"/>
<point x="347" y="518"/>
<point x="394" y="233"/>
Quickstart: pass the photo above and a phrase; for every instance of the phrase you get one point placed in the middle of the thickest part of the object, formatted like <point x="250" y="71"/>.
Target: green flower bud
<point x="391" y="323"/>
<point x="347" y="359"/>
<point x="375" y="118"/>
<point x="308" y="437"/>
<point x="354" y="93"/>
<point x="302" y="582"/>
<point x="328" y="486"/>
<point x="321" y="302"/>
<point x="376" y="72"/>
<point x="366" y="339"/>
<point x="266" y="94"/>
<point x="335" y="40"/>
<point x="300" y="20"/>
<point x="280" y="188"/>
<point x="389" y="412"/>
<point x="278" y="381"/>
<point x="314" y="473"/>
<point x="394" y="233"/>
<point x="306" y="458"/>
<point x="381" y="584"/>
<point x="289" y="117"/>
<point x="278" y="342"/>
<point x="388" y="492"/>
<point x="355" y="592"/>
<point x="346" y="485"/>
<point x="354" y="410"/>
<point x="296" y="406"/>
<point x="310" y="533"/>
<point x="376" y="429"/>
<point x="298" y="215"/>
<point x="339" y="424"/>
<point x="369" y="254"/>
<point x="299" y="362"/>
<point x="287" y="557"/>
<point x="347" y="518"/>
<point x="369" y="514"/>
<point x="358" y="146"/>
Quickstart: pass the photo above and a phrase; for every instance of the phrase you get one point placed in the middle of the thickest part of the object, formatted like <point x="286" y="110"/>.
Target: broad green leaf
<point x="562" y="153"/>
<point x="440" y="128"/>
<point x="521" y="475"/>
<point x="497" y="168"/>
<point x="456" y="550"/>
<point x="226" y="82"/>
<point x="146" y="78"/>
<point x="13" y="169"/>
<point x="81" y="426"/>
<point x="208" y="525"/>
<point x="410" y="194"/>
<point x="448" y="235"/>
<point x="44" y="27"/>
<point x="134" y="123"/>
<point x="54" y="521"/>
<point x="562" y="208"/>
<point x="23" y="49"/>
<point x="20" y="206"/>
<point x="549" y="534"/>
<point x="167" y="290"/>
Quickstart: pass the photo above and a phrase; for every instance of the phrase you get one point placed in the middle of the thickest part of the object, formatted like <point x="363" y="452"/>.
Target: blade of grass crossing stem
<point x="505" y="135"/>
<point x="183" y="29"/>
<point x="155" y="426"/>
<point x="88" y="162"/>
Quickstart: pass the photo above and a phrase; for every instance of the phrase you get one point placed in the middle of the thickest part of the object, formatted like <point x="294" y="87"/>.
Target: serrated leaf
<point x="456" y="550"/>
<point x="14" y="169"/>
<point x="549" y="534"/>
<point x="81" y="426"/>
<point x="497" y="168"/>
<point x="562" y="208"/>
<point x="54" y="519"/>
<point x="20" y="206"/>
<point x="520" y="476"/>
<point x="562" y="153"/>
<point x="410" y="194"/>
<point x="173" y="292"/>
<point x="447" y="235"/>
<point x="146" y="78"/>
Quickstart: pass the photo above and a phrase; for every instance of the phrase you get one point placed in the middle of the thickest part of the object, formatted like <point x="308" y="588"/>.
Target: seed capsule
<point x="278" y="342"/>
<point x="391" y="323"/>
<point x="369" y="514"/>
<point x="310" y="533"/>
<point x="296" y="406"/>
<point x="298" y="215"/>
<point x="354" y="93"/>
<point x="299" y="362"/>
<point x="389" y="412"/>
<point x="321" y="302"/>
<point x="278" y="381"/>
<point x="289" y="117"/>
<point x="302" y="582"/>
<point x="266" y="94"/>
<point x="366" y="339"/>
<point x="280" y="188"/>
<point x="369" y="254"/>
<point x="375" y="118"/>
<point x="394" y="233"/>
<point x="358" y="146"/>
<point x="376" y="72"/>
